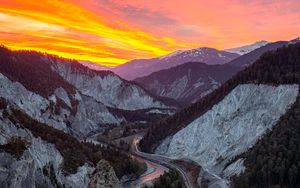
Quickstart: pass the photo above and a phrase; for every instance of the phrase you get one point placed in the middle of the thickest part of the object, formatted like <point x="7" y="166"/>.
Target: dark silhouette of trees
<point x="15" y="146"/>
<point x="168" y="180"/>
<point x="274" y="161"/>
<point x="33" y="71"/>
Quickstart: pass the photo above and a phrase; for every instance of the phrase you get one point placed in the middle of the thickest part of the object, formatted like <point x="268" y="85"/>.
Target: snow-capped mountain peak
<point x="247" y="48"/>
<point x="296" y="40"/>
<point x="171" y="55"/>
<point x="143" y="67"/>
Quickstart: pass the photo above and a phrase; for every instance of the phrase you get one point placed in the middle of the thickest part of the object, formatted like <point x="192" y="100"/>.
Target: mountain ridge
<point x="142" y="67"/>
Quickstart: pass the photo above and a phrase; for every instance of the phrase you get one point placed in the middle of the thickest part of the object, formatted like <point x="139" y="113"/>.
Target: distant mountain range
<point x="190" y="81"/>
<point x="143" y="67"/>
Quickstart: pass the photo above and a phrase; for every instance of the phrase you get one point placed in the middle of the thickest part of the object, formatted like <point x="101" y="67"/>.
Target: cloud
<point x="137" y="14"/>
<point x="115" y="31"/>
<point x="189" y="30"/>
<point x="147" y="17"/>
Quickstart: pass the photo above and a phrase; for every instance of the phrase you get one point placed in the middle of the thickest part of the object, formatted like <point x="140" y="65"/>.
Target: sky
<point x="112" y="32"/>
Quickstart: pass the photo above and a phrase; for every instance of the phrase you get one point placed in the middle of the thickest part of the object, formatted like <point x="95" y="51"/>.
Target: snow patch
<point x="247" y="48"/>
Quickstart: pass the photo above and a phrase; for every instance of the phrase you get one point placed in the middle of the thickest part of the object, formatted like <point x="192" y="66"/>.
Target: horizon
<point x="91" y="64"/>
<point x="111" y="33"/>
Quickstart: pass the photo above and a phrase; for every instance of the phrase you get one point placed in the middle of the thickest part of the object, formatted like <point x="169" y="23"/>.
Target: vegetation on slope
<point x="277" y="67"/>
<point x="274" y="161"/>
<point x="15" y="146"/>
<point x="31" y="70"/>
<point x="167" y="180"/>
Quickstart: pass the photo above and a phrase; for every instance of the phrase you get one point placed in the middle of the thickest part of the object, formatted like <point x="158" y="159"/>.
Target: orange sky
<point x="111" y="32"/>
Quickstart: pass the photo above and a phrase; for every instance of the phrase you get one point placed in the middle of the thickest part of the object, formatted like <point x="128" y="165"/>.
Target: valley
<point x="194" y="118"/>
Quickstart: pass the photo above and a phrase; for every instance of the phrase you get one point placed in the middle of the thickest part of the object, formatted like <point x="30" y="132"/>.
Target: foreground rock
<point x="104" y="177"/>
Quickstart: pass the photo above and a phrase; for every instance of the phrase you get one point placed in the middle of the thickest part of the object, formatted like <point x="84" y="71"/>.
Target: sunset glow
<point x="111" y="32"/>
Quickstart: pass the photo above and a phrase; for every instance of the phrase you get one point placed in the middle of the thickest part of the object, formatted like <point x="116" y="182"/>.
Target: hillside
<point x="188" y="82"/>
<point x="34" y="154"/>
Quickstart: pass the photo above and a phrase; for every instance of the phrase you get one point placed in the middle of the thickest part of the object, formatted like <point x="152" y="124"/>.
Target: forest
<point x="17" y="65"/>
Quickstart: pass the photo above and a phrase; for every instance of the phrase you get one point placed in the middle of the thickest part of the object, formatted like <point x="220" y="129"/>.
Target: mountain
<point x="106" y="87"/>
<point x="71" y="97"/>
<point x="254" y="55"/>
<point x="294" y="41"/>
<point x="245" y="129"/>
<point x="247" y="48"/>
<point x="143" y="67"/>
<point x="188" y="82"/>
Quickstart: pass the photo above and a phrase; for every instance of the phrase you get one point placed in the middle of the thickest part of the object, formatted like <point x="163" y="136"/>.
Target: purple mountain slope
<point x="143" y="67"/>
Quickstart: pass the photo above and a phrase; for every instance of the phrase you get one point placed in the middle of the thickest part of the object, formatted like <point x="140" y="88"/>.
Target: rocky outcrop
<point x="106" y="87"/>
<point x="56" y="110"/>
<point x="104" y="177"/>
<point x="39" y="166"/>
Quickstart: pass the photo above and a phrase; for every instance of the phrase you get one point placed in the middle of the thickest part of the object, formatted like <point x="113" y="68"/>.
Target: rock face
<point x="230" y="127"/>
<point x="50" y="111"/>
<point x="188" y="82"/>
<point x="104" y="177"/>
<point x="106" y="87"/>
<point x="144" y="67"/>
<point x="39" y="166"/>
